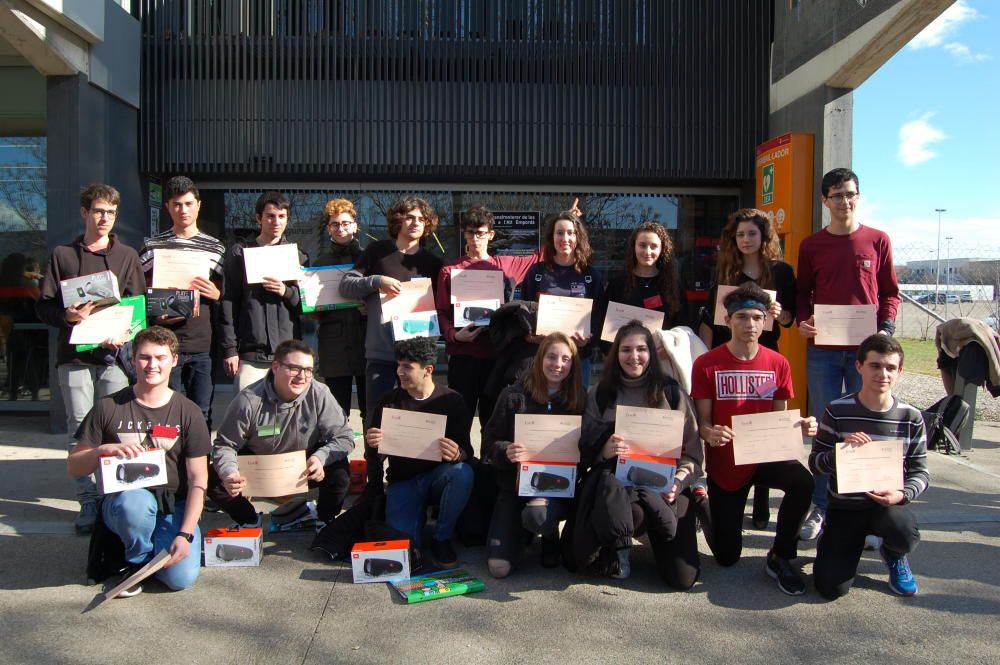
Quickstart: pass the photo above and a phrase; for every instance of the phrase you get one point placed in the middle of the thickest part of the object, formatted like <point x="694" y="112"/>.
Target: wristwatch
<point x="186" y="536"/>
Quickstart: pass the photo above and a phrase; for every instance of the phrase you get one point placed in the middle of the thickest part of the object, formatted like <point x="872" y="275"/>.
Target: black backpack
<point x="944" y="421"/>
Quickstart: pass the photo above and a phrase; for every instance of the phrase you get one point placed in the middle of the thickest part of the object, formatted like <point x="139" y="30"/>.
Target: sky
<point x="927" y="136"/>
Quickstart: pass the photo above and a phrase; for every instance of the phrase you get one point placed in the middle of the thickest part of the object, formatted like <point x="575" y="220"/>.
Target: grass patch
<point x="921" y="356"/>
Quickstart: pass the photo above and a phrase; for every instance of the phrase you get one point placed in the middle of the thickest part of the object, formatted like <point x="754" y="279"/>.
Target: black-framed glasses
<point x="844" y="196"/>
<point x="478" y="235"/>
<point x="103" y="212"/>
<point x="298" y="370"/>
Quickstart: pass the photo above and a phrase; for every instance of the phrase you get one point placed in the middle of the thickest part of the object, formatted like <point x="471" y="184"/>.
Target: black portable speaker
<point x="646" y="478"/>
<point x="547" y="482"/>
<point x="476" y="313"/>
<point x="132" y="472"/>
<point x="380" y="567"/>
<point x="233" y="553"/>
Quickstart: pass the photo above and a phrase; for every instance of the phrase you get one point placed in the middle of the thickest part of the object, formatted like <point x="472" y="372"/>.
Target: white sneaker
<point x="812" y="524"/>
<point x="872" y="542"/>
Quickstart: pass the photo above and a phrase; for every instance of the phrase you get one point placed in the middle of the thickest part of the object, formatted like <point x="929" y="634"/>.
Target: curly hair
<point x="397" y="213"/>
<point x="97" y="191"/>
<point x="571" y="390"/>
<point x="666" y="284"/>
<point x="729" y="265"/>
<point x="582" y="253"/>
<point x="336" y="207"/>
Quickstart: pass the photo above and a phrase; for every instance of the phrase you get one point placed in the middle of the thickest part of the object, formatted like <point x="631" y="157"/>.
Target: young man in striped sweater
<point x="872" y="414"/>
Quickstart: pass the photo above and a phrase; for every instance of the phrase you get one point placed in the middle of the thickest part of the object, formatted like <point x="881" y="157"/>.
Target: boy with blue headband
<point x="742" y="377"/>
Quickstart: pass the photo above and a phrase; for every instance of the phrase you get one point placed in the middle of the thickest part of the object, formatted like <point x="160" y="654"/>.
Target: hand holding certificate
<point x="320" y="289"/>
<point x="869" y="466"/>
<point x="416" y="295"/>
<point x="655" y="432"/>
<point x="844" y="325"/>
<point x="476" y="285"/>
<point x="412" y="434"/>
<point x="277" y="475"/>
<point x="563" y="314"/>
<point x="109" y="323"/>
<point x="177" y="268"/>
<point x="619" y="314"/>
<point x="280" y="262"/>
<point x="767" y="437"/>
<point x="548" y="438"/>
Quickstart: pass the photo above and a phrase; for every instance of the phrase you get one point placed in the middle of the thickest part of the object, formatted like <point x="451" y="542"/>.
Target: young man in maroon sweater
<point x="845" y="263"/>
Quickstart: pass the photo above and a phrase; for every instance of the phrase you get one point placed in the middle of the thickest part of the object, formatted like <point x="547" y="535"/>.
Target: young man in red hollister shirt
<point x="742" y="377"/>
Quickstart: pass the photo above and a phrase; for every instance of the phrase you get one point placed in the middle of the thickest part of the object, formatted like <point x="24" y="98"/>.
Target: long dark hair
<point x="611" y="377"/>
<point x="582" y="253"/>
<point x="729" y="265"/>
<point x="665" y="283"/>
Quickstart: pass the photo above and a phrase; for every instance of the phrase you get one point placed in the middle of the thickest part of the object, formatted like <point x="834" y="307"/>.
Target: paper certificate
<point x="720" y="311"/>
<point x="320" y="289"/>
<point x="563" y="314"/>
<point x="775" y="436"/>
<point x="274" y="475"/>
<point x="416" y="295"/>
<point x="412" y="434"/>
<point x="108" y="323"/>
<point x="655" y="432"/>
<point x="876" y="465"/>
<point x="548" y="438"/>
<point x="476" y="285"/>
<point x="619" y="314"/>
<point x="176" y="268"/>
<point x="280" y="262"/>
<point x="844" y="325"/>
<point x="150" y="568"/>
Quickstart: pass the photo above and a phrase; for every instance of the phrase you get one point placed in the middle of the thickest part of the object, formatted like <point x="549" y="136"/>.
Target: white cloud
<point x="941" y="31"/>
<point x="915" y="139"/>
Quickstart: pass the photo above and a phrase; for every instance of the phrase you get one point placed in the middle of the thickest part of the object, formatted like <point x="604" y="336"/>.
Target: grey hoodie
<point x="313" y="422"/>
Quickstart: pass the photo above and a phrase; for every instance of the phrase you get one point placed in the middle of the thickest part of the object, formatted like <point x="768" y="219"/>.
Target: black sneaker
<point x="442" y="553"/>
<point x="789" y="581"/>
<point x="551" y="554"/>
<point x="127" y="572"/>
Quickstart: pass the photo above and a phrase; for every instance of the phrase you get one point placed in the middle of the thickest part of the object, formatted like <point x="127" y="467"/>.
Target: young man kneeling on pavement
<point x="130" y="421"/>
<point x="413" y="484"/>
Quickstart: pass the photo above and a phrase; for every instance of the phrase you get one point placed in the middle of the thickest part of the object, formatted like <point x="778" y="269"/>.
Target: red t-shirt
<point x="732" y="385"/>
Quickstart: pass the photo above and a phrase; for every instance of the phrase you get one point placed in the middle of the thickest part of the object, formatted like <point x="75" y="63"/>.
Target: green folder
<point x="138" y="319"/>
<point x="438" y="585"/>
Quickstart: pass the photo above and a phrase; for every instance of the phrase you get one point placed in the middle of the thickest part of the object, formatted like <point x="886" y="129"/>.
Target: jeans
<point x="467" y="376"/>
<point x="193" y="374"/>
<point x="449" y="485"/>
<point x="513" y="515"/>
<point x="133" y="517"/>
<point x="80" y="385"/>
<point x="380" y="378"/>
<point x="831" y="375"/>
<point x="586" y="367"/>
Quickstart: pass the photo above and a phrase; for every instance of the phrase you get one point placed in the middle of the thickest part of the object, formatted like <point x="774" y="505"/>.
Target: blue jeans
<point x="406" y="501"/>
<point x="194" y="374"/>
<point x="586" y="367"/>
<point x="831" y="375"/>
<point x="144" y="531"/>
<point x="380" y="378"/>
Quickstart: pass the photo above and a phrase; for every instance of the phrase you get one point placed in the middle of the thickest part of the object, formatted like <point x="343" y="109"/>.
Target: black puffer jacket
<point x="341" y="332"/>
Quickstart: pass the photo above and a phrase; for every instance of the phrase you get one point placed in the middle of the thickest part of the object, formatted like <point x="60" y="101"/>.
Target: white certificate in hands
<point x="563" y="314"/>
<point x="720" y="311"/>
<point x="548" y="438"/>
<point x="416" y="295"/>
<point x="320" y="288"/>
<point x="412" y="434"/>
<point x="619" y="314"/>
<point x="276" y="475"/>
<point x="844" y="325"/>
<point x="177" y="268"/>
<point x="655" y="432"/>
<point x="476" y="285"/>
<point x="869" y="467"/>
<point x="775" y="436"/>
<point x="280" y="262"/>
<point x="108" y="323"/>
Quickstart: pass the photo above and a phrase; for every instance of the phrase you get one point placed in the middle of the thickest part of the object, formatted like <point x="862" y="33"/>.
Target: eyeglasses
<point x="102" y="212"/>
<point x="339" y="225"/>
<point x="844" y="196"/>
<point x="296" y="370"/>
<point x="478" y="235"/>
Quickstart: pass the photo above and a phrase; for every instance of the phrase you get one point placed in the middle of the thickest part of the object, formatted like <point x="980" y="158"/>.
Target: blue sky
<point x="927" y="135"/>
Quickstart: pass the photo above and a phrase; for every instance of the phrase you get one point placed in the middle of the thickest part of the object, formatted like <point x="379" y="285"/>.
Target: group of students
<point x="500" y="371"/>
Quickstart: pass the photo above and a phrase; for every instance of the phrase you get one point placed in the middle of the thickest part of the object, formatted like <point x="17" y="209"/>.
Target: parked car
<point x="929" y="298"/>
<point x="992" y="322"/>
<point x="965" y="297"/>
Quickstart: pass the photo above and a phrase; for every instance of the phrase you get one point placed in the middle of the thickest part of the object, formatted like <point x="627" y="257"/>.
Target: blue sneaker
<point x="901" y="580"/>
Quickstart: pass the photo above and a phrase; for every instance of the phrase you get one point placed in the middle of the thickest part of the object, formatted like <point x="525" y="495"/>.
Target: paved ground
<point x="296" y="608"/>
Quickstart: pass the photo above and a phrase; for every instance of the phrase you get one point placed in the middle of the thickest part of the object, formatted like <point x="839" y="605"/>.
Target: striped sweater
<point x="847" y="415"/>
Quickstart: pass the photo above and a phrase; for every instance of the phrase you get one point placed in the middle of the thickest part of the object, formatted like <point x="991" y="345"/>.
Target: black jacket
<point x="341" y="334"/>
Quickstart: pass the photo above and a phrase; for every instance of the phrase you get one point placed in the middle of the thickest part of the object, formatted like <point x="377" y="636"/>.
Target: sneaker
<point x="84" y="522"/>
<point x="813" y="524"/>
<point x="442" y="553"/>
<point x="624" y="568"/>
<point x="700" y="488"/>
<point x="127" y="572"/>
<point x="901" y="579"/>
<point x="211" y="506"/>
<point x="789" y="581"/>
<point x="872" y="542"/>
<point x="252" y="525"/>
<point x="551" y="554"/>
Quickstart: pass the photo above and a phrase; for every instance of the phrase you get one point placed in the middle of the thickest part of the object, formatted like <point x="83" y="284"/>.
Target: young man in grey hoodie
<point x="281" y="413"/>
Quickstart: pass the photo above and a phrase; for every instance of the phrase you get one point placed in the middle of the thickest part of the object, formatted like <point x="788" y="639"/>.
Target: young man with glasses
<point x="281" y="413"/>
<point x="88" y="375"/>
<point x="845" y="263"/>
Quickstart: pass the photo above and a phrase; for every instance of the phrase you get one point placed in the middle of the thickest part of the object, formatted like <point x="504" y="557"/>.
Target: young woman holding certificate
<point x="565" y="270"/>
<point x="608" y="513"/>
<point x="550" y="387"/>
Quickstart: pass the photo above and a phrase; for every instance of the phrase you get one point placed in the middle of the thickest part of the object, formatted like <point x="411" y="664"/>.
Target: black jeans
<point x="513" y="515"/>
<point x="727" y="510"/>
<point x="332" y="492"/>
<point x="467" y="376"/>
<point x="843" y="540"/>
<point x="340" y="386"/>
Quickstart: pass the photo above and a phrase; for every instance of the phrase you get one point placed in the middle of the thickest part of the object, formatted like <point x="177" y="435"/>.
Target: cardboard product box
<point x="172" y="302"/>
<point x="476" y="312"/>
<point x="100" y="288"/>
<point x="415" y="324"/>
<point x="238" y="547"/>
<point x="147" y="469"/>
<point x="551" y="479"/>
<point x="381" y="561"/>
<point x="646" y="471"/>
